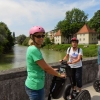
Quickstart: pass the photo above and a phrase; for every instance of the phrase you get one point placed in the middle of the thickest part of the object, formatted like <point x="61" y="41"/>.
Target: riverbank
<point x="88" y="50"/>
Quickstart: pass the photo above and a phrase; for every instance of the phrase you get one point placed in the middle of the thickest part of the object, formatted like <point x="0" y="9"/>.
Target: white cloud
<point x="31" y="12"/>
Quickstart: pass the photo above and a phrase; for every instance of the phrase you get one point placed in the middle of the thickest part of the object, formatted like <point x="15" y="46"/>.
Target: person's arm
<point x="66" y="57"/>
<point x="76" y="60"/>
<point x="48" y="68"/>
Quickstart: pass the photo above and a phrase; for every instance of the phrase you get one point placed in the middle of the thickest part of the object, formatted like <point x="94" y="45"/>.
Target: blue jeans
<point x="35" y="94"/>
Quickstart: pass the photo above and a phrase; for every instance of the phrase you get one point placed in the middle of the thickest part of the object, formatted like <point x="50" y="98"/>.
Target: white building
<point x="59" y="39"/>
<point x="87" y="35"/>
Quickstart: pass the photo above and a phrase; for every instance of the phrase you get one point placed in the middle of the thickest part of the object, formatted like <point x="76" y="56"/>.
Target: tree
<point x="25" y="42"/>
<point x="73" y="21"/>
<point x="14" y="35"/>
<point x="21" y="39"/>
<point x="6" y="39"/>
<point x="47" y="41"/>
<point x="95" y="22"/>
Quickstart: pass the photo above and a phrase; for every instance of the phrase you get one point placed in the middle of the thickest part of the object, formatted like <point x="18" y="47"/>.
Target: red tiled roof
<point x="85" y="29"/>
<point x="58" y="33"/>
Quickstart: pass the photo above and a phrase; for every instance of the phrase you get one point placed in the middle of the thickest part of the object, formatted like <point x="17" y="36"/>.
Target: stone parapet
<point x="12" y="81"/>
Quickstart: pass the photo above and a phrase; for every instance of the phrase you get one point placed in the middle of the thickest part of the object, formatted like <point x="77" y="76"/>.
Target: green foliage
<point x="47" y="41"/>
<point x="73" y="21"/>
<point x="21" y="39"/>
<point x="90" y="51"/>
<point x="25" y="43"/>
<point x="94" y="22"/>
<point x="6" y="39"/>
<point x="1" y="49"/>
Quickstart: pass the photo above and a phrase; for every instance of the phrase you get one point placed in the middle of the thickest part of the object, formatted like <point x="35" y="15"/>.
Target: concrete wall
<point x="12" y="81"/>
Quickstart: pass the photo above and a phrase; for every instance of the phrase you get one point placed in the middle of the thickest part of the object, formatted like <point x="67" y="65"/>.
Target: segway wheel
<point x="67" y="92"/>
<point x="84" y="95"/>
<point x="96" y="85"/>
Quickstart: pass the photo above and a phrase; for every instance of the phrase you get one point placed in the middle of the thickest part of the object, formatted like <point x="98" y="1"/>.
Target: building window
<point x="83" y="39"/>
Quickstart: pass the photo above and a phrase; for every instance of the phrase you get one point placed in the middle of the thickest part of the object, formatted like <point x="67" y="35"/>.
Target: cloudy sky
<point x="21" y="15"/>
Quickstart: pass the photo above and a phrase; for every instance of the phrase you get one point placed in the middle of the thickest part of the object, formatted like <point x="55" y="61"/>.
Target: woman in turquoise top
<point x="36" y="65"/>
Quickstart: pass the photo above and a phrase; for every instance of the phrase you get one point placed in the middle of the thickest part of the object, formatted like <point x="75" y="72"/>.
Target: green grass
<point x="90" y="51"/>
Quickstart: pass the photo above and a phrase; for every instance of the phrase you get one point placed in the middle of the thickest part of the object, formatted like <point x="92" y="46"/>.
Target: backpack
<point x="78" y="51"/>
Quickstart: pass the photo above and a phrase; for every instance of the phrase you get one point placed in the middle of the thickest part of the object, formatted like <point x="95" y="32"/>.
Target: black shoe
<point x="74" y="91"/>
<point x="77" y="93"/>
<point x="74" y="94"/>
<point x="69" y="97"/>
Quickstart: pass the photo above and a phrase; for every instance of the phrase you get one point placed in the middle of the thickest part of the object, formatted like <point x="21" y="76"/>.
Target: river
<point x="17" y="57"/>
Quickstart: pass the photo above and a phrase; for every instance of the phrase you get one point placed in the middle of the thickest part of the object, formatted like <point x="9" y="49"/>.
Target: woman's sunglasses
<point x="39" y="36"/>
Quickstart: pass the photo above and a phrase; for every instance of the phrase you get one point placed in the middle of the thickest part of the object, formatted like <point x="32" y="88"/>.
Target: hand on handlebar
<point x="56" y="69"/>
<point x="69" y="62"/>
<point x="60" y="61"/>
<point x="63" y="75"/>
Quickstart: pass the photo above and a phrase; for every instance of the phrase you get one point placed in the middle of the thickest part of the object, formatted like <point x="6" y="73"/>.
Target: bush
<point x="1" y="50"/>
<point x="25" y="42"/>
<point x="90" y="51"/>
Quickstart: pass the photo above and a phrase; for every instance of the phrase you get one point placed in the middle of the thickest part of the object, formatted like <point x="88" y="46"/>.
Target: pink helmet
<point x="74" y="39"/>
<point x="36" y="29"/>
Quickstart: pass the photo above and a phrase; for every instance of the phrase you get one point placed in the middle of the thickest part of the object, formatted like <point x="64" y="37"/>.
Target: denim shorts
<point x="35" y="94"/>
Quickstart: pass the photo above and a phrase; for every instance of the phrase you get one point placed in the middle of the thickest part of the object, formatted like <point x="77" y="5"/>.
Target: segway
<point x="58" y="85"/>
<point x="96" y="85"/>
<point x="60" y="88"/>
<point x="83" y="95"/>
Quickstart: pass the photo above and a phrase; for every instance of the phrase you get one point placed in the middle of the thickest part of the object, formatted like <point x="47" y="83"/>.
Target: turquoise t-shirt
<point x="35" y="74"/>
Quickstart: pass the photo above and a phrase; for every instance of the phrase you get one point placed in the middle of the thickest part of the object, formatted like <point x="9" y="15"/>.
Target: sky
<point x="21" y="15"/>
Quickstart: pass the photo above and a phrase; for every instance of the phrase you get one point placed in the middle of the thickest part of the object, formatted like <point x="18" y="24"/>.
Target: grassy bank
<point x="88" y="51"/>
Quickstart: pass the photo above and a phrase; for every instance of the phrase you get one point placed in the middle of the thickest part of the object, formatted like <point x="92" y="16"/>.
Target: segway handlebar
<point x="67" y="68"/>
<point x="63" y="62"/>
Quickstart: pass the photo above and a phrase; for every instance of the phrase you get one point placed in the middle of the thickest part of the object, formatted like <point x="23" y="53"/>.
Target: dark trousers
<point x="77" y="77"/>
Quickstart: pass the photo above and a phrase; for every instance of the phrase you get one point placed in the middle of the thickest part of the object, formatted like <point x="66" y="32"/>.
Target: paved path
<point x="89" y="87"/>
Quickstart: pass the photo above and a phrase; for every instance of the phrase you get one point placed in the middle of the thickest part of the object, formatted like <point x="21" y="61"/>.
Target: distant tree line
<point x="23" y="40"/>
<point x="6" y="38"/>
<point x="72" y="22"/>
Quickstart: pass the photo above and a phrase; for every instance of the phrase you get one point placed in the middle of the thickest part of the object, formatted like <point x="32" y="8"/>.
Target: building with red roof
<point x="87" y="35"/>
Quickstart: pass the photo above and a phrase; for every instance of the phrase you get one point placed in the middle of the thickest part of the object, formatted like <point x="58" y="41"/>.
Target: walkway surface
<point x="94" y="95"/>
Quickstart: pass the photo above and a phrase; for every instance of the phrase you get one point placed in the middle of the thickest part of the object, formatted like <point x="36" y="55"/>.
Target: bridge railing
<point x="12" y="81"/>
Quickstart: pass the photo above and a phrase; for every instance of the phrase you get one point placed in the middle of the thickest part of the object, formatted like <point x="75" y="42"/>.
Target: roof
<point x="85" y="29"/>
<point x="58" y="33"/>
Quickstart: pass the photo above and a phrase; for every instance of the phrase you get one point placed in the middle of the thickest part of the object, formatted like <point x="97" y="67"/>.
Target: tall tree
<point x="73" y="21"/>
<point x="21" y="38"/>
<point x="6" y="39"/>
<point x="95" y="22"/>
